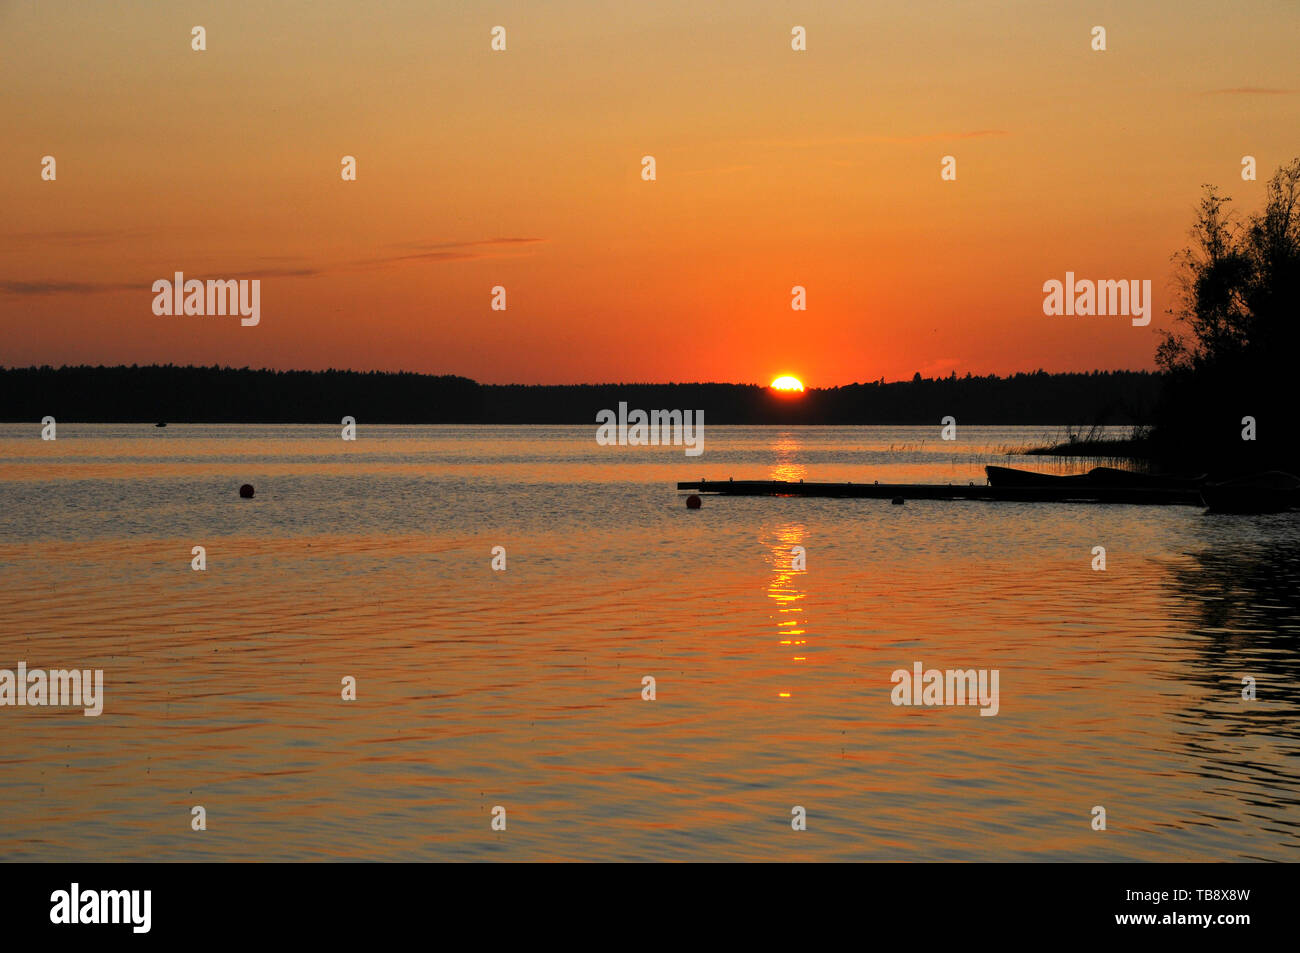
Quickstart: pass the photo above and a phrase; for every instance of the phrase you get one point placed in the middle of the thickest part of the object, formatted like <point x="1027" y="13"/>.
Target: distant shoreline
<point x="171" y="394"/>
<point x="1099" y="448"/>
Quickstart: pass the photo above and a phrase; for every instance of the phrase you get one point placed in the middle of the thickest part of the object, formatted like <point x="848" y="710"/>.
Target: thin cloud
<point x="1249" y="91"/>
<point x="443" y="251"/>
<point x="302" y="272"/>
<point x="721" y="170"/>
<point x="437" y="252"/>
<point x="79" y="237"/>
<point x="425" y="256"/>
<point x="939" y="367"/>
<point x="935" y="136"/>
<point x="475" y="244"/>
<point x="39" y="288"/>
<point x="894" y="140"/>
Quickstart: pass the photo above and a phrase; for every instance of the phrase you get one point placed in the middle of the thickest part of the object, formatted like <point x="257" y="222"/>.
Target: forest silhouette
<point x="167" y="393"/>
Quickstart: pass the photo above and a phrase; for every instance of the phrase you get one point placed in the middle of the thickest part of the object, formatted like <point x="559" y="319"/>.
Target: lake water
<point x="522" y="688"/>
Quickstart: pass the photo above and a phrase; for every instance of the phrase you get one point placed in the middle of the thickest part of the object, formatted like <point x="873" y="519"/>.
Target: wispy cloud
<point x="99" y="236"/>
<point x="906" y="138"/>
<point x="1249" y="91"/>
<point x="38" y="288"/>
<point x="305" y="271"/>
<point x="442" y="251"/>
<point x="939" y="367"/>
<point x="721" y="170"/>
<point x="475" y="244"/>
<point x="937" y="136"/>
<point x="421" y="251"/>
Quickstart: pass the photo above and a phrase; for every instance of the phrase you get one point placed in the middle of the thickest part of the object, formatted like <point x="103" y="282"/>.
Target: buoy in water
<point x="897" y="501"/>
<point x="692" y="502"/>
<point x="246" y="491"/>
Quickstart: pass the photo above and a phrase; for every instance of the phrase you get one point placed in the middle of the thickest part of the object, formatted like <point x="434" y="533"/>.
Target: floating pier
<point x="1065" y="492"/>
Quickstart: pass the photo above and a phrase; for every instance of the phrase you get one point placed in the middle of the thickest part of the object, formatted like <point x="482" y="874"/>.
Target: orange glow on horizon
<point x="609" y="273"/>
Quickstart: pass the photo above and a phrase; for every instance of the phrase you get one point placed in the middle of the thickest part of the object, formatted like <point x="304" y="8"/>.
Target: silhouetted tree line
<point x="230" y="395"/>
<point x="1233" y="352"/>
<point x="1109" y="397"/>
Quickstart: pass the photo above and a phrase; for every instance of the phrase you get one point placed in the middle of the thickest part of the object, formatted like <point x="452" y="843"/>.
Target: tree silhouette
<point x="1232" y="352"/>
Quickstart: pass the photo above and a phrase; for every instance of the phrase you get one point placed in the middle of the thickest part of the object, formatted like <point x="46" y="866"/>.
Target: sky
<point x="522" y="169"/>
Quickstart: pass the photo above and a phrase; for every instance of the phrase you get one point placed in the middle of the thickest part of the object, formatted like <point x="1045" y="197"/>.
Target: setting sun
<point x="788" y="384"/>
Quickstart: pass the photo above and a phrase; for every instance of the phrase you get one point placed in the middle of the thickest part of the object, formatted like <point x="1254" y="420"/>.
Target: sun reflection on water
<point x="788" y="557"/>
<point x="787" y="448"/>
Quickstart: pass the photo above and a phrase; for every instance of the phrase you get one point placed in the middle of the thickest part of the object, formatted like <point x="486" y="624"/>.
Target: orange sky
<point x="775" y="169"/>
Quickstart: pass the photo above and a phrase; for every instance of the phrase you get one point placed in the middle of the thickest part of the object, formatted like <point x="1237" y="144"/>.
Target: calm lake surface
<point x="522" y="688"/>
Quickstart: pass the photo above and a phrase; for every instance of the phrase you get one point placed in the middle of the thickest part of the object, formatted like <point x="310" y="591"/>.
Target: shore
<point x="1132" y="448"/>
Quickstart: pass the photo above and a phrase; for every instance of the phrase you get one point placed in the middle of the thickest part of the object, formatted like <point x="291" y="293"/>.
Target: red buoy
<point x="692" y="502"/>
<point x="246" y="491"/>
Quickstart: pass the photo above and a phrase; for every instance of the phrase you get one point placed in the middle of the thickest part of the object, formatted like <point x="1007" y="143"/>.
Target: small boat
<point x="1269" y="492"/>
<point x="160" y="424"/>
<point x="1097" y="476"/>
<point x="1011" y="477"/>
<point x="1111" y="476"/>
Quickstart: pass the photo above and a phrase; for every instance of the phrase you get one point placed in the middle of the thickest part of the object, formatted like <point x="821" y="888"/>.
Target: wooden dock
<point x="1064" y="493"/>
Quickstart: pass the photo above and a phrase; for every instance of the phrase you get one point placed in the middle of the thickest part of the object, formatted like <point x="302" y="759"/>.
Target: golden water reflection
<point x="788" y="556"/>
<point x="786" y="448"/>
